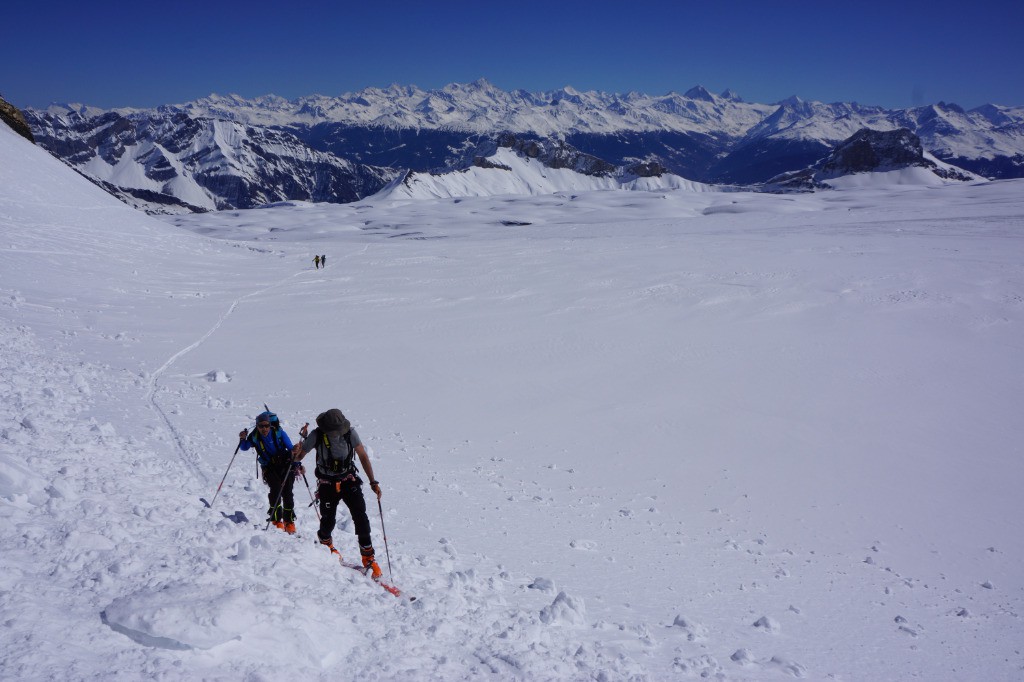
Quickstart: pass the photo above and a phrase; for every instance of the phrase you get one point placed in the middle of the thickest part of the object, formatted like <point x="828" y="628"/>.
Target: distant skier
<point x="335" y="442"/>
<point x="274" y="453"/>
<point x="323" y="260"/>
<point x="316" y="261"/>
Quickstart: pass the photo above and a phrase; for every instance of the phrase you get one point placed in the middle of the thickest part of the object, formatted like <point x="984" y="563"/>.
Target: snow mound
<point x="171" y="617"/>
<point x="564" y="610"/>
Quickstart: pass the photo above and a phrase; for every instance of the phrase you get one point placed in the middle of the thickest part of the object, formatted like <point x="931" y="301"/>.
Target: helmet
<point x="269" y="417"/>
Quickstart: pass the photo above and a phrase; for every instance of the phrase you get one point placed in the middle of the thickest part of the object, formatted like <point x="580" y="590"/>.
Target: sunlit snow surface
<point x="644" y="435"/>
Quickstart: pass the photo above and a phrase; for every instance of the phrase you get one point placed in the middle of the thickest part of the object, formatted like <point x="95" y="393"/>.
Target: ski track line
<point x="190" y="458"/>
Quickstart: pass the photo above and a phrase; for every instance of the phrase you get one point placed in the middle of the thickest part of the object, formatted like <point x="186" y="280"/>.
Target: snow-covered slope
<point x="509" y="173"/>
<point x="177" y="163"/>
<point x="621" y="435"/>
<point x="111" y="565"/>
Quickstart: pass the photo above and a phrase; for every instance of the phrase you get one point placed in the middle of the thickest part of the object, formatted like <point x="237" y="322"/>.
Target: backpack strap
<point x="261" y="447"/>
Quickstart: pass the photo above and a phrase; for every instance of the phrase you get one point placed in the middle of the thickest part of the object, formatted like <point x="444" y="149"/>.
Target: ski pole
<point x="265" y="409"/>
<point x="304" y="431"/>
<point x="312" y="501"/>
<point x="383" y="532"/>
<point x="226" y="473"/>
<point x="280" y="494"/>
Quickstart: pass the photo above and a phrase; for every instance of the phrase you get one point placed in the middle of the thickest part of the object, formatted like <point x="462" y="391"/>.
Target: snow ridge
<point x="509" y="173"/>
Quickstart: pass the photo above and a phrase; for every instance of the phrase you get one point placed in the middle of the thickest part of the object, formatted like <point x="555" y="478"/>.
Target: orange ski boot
<point x="330" y="545"/>
<point x="370" y="563"/>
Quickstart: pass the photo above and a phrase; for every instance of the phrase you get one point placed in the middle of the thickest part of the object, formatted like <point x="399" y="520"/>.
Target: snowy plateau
<point x="224" y="152"/>
<point x="655" y="434"/>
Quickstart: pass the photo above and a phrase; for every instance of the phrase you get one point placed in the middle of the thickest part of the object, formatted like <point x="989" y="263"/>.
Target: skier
<point x="316" y="261"/>
<point x="335" y="442"/>
<point x="273" y="451"/>
<point x="323" y="260"/>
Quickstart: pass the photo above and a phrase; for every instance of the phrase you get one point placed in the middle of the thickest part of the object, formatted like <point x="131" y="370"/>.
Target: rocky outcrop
<point x="867" y="151"/>
<point x="875" y="150"/>
<point x="13" y="117"/>
<point x="646" y="169"/>
<point x="557" y="154"/>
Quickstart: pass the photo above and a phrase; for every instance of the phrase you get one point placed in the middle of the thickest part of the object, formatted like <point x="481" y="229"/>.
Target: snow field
<point x="620" y="435"/>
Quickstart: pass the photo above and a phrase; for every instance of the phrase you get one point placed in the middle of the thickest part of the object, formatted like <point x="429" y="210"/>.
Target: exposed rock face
<point x="875" y="150"/>
<point x="882" y="150"/>
<point x="866" y="151"/>
<point x="646" y="169"/>
<point x="557" y="154"/>
<point x="13" y="117"/>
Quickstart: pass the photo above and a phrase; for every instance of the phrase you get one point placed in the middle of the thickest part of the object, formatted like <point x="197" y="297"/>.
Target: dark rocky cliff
<point x="13" y="117"/>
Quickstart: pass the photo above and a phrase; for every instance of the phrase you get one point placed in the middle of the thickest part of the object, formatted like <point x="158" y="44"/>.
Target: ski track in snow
<point x="189" y="457"/>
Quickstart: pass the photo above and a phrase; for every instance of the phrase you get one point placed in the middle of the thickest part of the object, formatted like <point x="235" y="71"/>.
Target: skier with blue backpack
<point x="274" y="453"/>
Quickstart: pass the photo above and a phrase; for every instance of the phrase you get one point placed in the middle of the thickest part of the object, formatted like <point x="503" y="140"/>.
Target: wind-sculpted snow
<point x="654" y="435"/>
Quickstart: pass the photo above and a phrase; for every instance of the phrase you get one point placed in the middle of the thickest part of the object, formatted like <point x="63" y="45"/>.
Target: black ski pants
<point x="280" y="477"/>
<point x="351" y="493"/>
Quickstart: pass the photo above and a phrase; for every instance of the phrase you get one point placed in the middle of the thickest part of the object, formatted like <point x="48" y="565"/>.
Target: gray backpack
<point x="334" y="450"/>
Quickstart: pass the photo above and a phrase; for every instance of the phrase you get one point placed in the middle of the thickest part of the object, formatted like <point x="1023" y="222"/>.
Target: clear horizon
<point x="143" y="56"/>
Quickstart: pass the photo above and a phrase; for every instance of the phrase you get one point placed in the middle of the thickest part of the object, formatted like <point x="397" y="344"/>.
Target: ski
<point x="365" y="572"/>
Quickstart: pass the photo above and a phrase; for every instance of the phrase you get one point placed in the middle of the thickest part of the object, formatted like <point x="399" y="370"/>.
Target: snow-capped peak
<point x="701" y="93"/>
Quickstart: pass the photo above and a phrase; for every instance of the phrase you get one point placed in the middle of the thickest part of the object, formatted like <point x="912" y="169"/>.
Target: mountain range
<point x="223" y="152"/>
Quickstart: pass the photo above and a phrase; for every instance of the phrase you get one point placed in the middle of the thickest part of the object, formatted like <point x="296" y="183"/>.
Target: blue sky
<point x="112" y="54"/>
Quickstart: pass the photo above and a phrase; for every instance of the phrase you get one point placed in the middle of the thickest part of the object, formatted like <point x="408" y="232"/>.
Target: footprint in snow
<point x="745" y="658"/>
<point x="542" y="585"/>
<point x="692" y="630"/>
<point x="701" y="666"/>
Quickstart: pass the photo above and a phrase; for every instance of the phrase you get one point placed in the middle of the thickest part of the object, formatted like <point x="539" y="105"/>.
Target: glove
<point x="242" y="434"/>
<point x="298" y="469"/>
